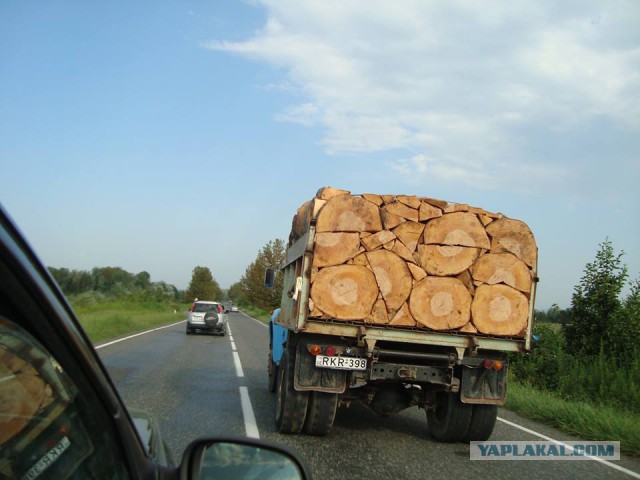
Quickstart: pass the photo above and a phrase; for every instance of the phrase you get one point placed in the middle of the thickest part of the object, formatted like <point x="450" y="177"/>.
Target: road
<point x="193" y="385"/>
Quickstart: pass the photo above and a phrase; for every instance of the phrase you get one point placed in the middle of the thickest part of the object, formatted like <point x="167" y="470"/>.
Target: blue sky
<point x="159" y="136"/>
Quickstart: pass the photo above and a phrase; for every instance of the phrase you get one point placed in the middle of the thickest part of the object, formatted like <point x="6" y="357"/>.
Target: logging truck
<point x="396" y="301"/>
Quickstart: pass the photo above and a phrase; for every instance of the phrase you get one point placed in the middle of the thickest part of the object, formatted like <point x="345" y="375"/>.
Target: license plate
<point x="341" y="363"/>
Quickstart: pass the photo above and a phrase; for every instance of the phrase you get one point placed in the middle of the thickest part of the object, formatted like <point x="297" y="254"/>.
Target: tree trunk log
<point x="393" y="277"/>
<point x="346" y="292"/>
<point x="513" y="236"/>
<point x="345" y="213"/>
<point x="499" y="310"/>
<point x="440" y="303"/>
<point x="459" y="228"/>
<point x="504" y="268"/>
<point x="445" y="260"/>
<point x="335" y="248"/>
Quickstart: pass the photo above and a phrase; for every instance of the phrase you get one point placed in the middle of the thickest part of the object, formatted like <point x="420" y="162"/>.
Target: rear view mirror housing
<point x="218" y="458"/>
<point x="269" y="277"/>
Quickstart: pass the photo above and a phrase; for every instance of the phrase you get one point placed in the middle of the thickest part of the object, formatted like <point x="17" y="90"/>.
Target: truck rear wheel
<point x="450" y="420"/>
<point x="320" y="413"/>
<point x="483" y="420"/>
<point x="291" y="405"/>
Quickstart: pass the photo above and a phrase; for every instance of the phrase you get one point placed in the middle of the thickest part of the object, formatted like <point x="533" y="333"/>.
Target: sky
<point x="160" y="136"/>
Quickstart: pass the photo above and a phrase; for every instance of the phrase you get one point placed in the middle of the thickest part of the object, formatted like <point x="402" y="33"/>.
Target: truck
<point x="398" y="301"/>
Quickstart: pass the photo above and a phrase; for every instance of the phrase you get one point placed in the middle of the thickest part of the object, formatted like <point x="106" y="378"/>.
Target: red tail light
<point x="488" y="363"/>
<point x="330" y="351"/>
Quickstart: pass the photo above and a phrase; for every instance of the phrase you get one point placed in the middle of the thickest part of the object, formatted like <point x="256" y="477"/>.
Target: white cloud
<point x="469" y="84"/>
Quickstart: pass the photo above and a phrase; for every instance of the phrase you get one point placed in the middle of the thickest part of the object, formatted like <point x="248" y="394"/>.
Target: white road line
<point x="236" y="360"/>
<point x="557" y="442"/>
<point x="97" y="347"/>
<point x="250" y="425"/>
<point x="233" y="346"/>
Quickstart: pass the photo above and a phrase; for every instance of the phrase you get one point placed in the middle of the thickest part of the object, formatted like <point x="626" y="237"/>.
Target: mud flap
<point x="309" y="377"/>
<point x="484" y="386"/>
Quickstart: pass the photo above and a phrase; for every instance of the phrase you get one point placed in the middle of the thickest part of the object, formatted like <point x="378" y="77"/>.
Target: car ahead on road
<point x="206" y="316"/>
<point x="60" y="415"/>
<point x="234" y="308"/>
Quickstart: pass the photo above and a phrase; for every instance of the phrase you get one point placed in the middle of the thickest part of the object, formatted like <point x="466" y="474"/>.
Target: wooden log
<point x="403" y="252"/>
<point x="459" y="228"/>
<point x="403" y="317"/>
<point x="360" y="259"/>
<point x="440" y="303"/>
<point x="392" y="276"/>
<point x="388" y="198"/>
<point x="389" y="220"/>
<point x="345" y="292"/>
<point x="326" y="193"/>
<point x="446" y="260"/>
<point x="373" y="198"/>
<point x="417" y="272"/>
<point x="345" y="213"/>
<point x="376" y="240"/>
<point x="409" y="200"/>
<point x="427" y="212"/>
<point x="441" y="204"/>
<point x="306" y="212"/>
<point x="465" y="277"/>
<point x="499" y="310"/>
<point x="508" y="235"/>
<point x="402" y="210"/>
<point x="469" y="328"/>
<point x="378" y="314"/>
<point x="335" y="248"/>
<point x="409" y="233"/>
<point x="503" y="268"/>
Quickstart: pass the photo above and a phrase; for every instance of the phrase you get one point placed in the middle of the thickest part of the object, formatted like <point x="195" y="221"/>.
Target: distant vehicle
<point x="206" y="316"/>
<point x="61" y="416"/>
<point x="234" y="309"/>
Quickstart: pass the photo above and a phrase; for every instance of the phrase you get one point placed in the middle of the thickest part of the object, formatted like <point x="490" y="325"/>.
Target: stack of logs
<point x="417" y="262"/>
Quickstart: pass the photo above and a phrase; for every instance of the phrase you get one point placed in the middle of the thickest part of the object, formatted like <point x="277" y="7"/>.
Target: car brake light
<point x="488" y="363"/>
<point x="330" y="351"/>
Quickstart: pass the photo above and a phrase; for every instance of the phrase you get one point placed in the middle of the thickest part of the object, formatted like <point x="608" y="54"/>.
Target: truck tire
<point x="320" y="413"/>
<point x="291" y="405"/>
<point x="483" y="419"/>
<point x="450" y="420"/>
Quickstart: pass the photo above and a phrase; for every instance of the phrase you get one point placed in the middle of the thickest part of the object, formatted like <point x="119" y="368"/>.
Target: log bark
<point x="302" y="219"/>
<point x="409" y="233"/>
<point x="446" y="260"/>
<point x="392" y="276"/>
<point x="499" y="310"/>
<point x="345" y="292"/>
<point x="459" y="228"/>
<point x="508" y="235"/>
<point x="335" y="248"/>
<point x="503" y="268"/>
<point x="345" y="213"/>
<point x="440" y="303"/>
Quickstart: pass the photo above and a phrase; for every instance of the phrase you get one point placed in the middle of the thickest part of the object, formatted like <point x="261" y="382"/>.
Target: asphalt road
<point x="192" y="385"/>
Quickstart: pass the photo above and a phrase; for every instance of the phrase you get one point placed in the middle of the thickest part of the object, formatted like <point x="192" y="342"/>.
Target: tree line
<point x="594" y="354"/>
<point x="113" y="282"/>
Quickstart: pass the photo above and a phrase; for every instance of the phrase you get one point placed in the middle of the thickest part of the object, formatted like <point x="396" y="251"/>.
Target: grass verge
<point x="257" y="313"/>
<point x="588" y="421"/>
<point x="108" y="320"/>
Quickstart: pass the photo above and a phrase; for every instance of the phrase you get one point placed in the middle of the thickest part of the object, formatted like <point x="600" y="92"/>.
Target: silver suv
<point x="206" y="316"/>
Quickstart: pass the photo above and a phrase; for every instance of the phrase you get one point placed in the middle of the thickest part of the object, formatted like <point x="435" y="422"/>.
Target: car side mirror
<point x="269" y="277"/>
<point x="215" y="459"/>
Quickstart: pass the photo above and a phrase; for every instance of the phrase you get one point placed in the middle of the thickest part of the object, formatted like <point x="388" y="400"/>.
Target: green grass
<point x="113" y="319"/>
<point x="257" y="313"/>
<point x="586" y="420"/>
